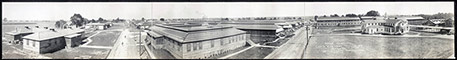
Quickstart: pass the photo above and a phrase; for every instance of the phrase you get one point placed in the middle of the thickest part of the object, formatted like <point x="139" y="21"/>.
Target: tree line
<point x="369" y="13"/>
<point x="78" y="20"/>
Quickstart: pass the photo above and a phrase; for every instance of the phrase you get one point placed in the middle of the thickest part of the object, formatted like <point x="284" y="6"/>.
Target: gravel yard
<point x="344" y="46"/>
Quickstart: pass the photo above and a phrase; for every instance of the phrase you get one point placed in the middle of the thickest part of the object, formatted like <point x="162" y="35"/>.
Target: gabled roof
<point x="40" y="36"/>
<point x="255" y="27"/>
<point x="191" y="36"/>
<point x="375" y="26"/>
<point x="193" y="27"/>
<point x="25" y="30"/>
<point x="373" y="21"/>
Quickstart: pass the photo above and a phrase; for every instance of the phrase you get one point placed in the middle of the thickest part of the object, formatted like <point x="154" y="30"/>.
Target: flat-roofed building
<point x="197" y="41"/>
<point x="16" y="35"/>
<point x="337" y="21"/>
<point x="50" y="41"/>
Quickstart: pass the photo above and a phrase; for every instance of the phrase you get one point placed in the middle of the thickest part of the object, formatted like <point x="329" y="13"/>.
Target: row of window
<point x="224" y="41"/>
<point x="335" y="20"/>
<point x="375" y="23"/>
<point x="336" y="23"/>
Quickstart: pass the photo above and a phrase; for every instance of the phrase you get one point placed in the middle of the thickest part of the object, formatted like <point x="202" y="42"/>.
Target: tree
<point x="437" y="16"/>
<point x="142" y="19"/>
<point x="117" y="20"/>
<point x="100" y="20"/>
<point x="324" y="16"/>
<point x="4" y="20"/>
<point x="77" y="20"/>
<point x="93" y="21"/>
<point x="351" y="15"/>
<point x="334" y="15"/>
<point x="372" y="13"/>
<point x="161" y="19"/>
<point x="60" y="24"/>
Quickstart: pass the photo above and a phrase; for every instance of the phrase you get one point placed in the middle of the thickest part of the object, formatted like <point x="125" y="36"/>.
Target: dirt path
<point x="124" y="48"/>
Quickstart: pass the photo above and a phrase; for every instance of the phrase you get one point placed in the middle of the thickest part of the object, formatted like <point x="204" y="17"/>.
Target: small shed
<point x="73" y="40"/>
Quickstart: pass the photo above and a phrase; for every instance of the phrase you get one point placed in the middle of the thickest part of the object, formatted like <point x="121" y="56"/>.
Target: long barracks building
<point x="196" y="40"/>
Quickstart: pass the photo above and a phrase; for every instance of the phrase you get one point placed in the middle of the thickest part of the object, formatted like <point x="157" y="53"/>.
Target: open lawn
<point x="261" y="40"/>
<point x="279" y="42"/>
<point x="346" y="46"/>
<point x="12" y="52"/>
<point x="253" y="53"/>
<point x="80" y="53"/>
<point x="106" y="38"/>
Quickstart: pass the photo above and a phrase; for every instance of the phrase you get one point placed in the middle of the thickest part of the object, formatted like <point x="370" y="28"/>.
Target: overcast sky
<point x="128" y="10"/>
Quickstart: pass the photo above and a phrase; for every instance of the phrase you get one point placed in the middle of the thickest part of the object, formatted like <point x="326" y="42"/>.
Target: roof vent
<point x="27" y="27"/>
<point x="52" y="30"/>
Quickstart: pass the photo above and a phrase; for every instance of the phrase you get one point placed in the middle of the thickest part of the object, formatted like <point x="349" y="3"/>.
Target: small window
<point x="33" y="43"/>
<point x="200" y="45"/>
<point x="195" y="46"/>
<point x="189" y="47"/>
<point x="212" y="43"/>
<point x="222" y="41"/>
<point x="26" y="42"/>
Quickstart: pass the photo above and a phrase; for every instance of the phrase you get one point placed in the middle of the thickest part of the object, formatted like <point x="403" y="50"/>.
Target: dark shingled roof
<point x="198" y="35"/>
<point x="40" y="36"/>
<point x="25" y="30"/>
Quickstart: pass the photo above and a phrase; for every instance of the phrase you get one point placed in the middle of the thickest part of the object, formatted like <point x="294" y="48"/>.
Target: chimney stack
<point x="45" y="27"/>
<point x="37" y="26"/>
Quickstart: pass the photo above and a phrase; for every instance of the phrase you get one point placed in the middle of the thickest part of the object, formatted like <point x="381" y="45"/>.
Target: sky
<point x="138" y="10"/>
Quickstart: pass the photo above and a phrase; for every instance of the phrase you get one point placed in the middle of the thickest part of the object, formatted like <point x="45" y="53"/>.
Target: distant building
<point x="338" y="21"/>
<point x="388" y="26"/>
<point x="144" y="25"/>
<point x="435" y="22"/>
<point x="197" y="41"/>
<point x="413" y="20"/>
<point x="51" y="41"/>
<point x="101" y="26"/>
<point x="266" y="29"/>
<point x="449" y="22"/>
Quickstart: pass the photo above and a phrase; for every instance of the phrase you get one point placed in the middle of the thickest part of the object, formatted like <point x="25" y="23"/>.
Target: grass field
<point x="106" y="38"/>
<point x="333" y="46"/>
<point x="253" y="53"/>
<point x="79" y="53"/>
